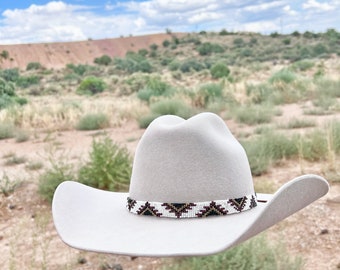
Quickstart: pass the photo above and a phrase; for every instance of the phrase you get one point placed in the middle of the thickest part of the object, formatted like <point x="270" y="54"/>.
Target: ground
<point x="28" y="239"/>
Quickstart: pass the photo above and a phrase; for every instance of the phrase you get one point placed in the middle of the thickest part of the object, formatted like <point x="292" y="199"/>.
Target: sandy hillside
<point x="57" y="55"/>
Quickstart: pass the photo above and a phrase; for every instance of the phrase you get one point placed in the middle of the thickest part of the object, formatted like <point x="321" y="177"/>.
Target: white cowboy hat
<point x="191" y="193"/>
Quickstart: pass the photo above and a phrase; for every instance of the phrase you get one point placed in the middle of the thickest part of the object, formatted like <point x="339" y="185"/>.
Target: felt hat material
<point x="191" y="193"/>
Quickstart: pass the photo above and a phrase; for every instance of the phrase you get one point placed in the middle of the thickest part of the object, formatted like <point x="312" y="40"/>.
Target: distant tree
<point x="274" y="34"/>
<point x="4" y="54"/>
<point x="33" y="66"/>
<point x="104" y="60"/>
<point x="219" y="70"/>
<point x="296" y="34"/>
<point x="91" y="85"/>
<point x="168" y="31"/>
<point x="153" y="47"/>
<point x="166" y="43"/>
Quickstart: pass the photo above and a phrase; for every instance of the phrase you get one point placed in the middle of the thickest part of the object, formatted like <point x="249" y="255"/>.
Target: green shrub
<point x="312" y="146"/>
<point x="267" y="149"/>
<point x="51" y="178"/>
<point x="146" y="120"/>
<point x="153" y="47"/>
<point x="91" y="85"/>
<point x="238" y="42"/>
<point x="208" y="48"/>
<point x="104" y="60"/>
<point x="10" y="75"/>
<point x="334" y="136"/>
<point x="319" y="49"/>
<point x="303" y="65"/>
<point x="208" y="93"/>
<point x="283" y="76"/>
<point x="143" y="52"/>
<point x="7" y="88"/>
<point x="133" y="62"/>
<point x="6" y="131"/>
<point x="166" y="43"/>
<point x="286" y="41"/>
<point x="79" y="69"/>
<point x="109" y="166"/>
<point x="254" y="114"/>
<point x="219" y="70"/>
<point x="191" y="65"/>
<point x="173" y="107"/>
<point x="165" y="107"/>
<point x="93" y="121"/>
<point x="33" y="66"/>
<point x="155" y="87"/>
<point x="27" y="81"/>
<point x="256" y="253"/>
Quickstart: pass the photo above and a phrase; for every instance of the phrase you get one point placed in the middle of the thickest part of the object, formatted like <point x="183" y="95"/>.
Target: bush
<point x="7" y="88"/>
<point x="286" y="41"/>
<point x="254" y="114"/>
<point x="208" y="48"/>
<point x="133" y="62"/>
<point x="93" y="121"/>
<point x="256" y="253"/>
<point x="219" y="70"/>
<point x="6" y="131"/>
<point x="33" y="66"/>
<point x="10" y="75"/>
<point x="267" y="149"/>
<point x="208" y="93"/>
<point x="109" y="166"/>
<point x="79" y="69"/>
<point x="91" y="85"/>
<point x="238" y="42"/>
<point x="190" y="65"/>
<point x="27" y="81"/>
<point x="50" y="179"/>
<point x="283" y="76"/>
<point x="165" y="107"/>
<point x="313" y="146"/>
<point x="166" y="43"/>
<point x="155" y="87"/>
<point x="302" y="65"/>
<point x="104" y="60"/>
<point x="143" y="52"/>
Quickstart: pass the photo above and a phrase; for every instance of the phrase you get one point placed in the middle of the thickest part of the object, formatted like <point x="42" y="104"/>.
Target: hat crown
<point x="192" y="160"/>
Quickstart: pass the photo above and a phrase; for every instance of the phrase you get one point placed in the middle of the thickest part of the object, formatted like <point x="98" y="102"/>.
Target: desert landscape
<point x="66" y="107"/>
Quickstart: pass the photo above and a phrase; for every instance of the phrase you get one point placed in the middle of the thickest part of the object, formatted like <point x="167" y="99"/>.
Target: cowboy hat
<point x="191" y="193"/>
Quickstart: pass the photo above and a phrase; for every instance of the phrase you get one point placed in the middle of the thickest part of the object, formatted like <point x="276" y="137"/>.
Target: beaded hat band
<point x="192" y="210"/>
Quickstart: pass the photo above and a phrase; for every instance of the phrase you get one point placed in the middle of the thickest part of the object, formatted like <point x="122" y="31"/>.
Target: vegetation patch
<point x="93" y="121"/>
<point x="256" y="253"/>
<point x="109" y="167"/>
<point x="91" y="86"/>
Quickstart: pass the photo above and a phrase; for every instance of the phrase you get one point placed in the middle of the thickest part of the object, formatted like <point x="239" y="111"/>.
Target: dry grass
<point x="63" y="113"/>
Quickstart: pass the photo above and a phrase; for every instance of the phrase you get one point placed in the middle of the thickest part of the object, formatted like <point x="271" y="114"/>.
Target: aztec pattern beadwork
<point x="192" y="210"/>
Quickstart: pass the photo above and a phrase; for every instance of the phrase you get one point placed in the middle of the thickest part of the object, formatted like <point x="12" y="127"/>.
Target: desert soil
<point x="28" y="239"/>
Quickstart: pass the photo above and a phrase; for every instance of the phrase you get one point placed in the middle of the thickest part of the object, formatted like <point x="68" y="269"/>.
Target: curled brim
<point x="97" y="220"/>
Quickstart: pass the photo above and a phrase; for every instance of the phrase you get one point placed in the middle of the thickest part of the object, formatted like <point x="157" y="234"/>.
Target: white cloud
<point x="59" y="21"/>
<point x="313" y="4"/>
<point x="289" y="11"/>
<point x="264" y="6"/>
<point x="260" y="27"/>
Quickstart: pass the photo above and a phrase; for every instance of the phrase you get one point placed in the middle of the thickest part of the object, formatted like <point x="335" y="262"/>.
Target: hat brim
<point x="97" y="220"/>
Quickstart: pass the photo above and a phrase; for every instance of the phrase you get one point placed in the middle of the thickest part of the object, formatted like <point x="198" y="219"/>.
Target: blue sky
<point x="70" y="20"/>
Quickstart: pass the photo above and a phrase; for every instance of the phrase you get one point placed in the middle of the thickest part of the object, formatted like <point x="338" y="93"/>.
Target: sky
<point x="35" y="21"/>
